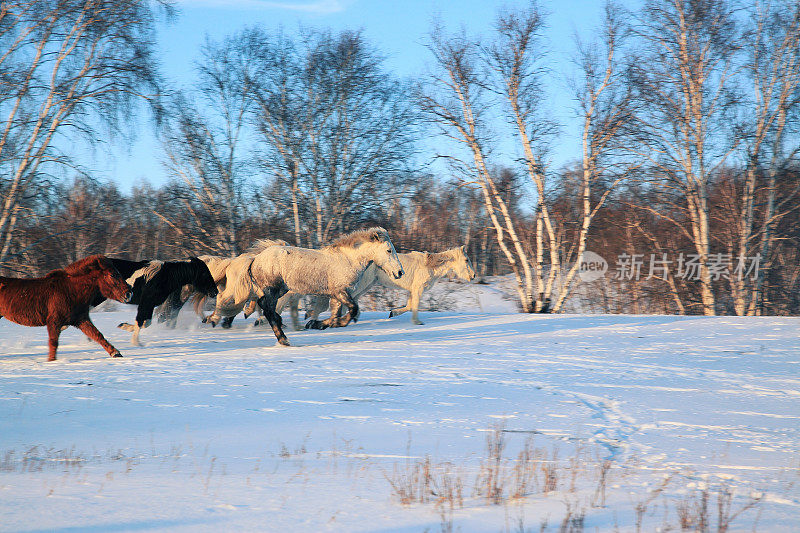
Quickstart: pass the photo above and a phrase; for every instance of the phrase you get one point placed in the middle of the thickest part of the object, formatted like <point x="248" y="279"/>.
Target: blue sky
<point x="396" y="27"/>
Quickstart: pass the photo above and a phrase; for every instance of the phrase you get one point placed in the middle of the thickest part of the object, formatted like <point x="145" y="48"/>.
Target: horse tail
<point x="199" y="302"/>
<point x="240" y="286"/>
<point x="218" y="270"/>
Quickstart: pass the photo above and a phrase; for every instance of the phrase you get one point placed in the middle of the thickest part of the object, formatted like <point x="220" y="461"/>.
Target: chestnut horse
<point x="62" y="298"/>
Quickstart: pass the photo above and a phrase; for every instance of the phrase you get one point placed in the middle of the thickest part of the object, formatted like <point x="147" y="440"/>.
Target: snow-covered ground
<point x="631" y="422"/>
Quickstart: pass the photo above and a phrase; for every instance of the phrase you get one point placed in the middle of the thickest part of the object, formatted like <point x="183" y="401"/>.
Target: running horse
<point x="62" y="298"/>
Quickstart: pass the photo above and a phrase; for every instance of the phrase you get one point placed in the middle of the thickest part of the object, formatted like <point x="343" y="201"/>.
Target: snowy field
<point x="480" y="420"/>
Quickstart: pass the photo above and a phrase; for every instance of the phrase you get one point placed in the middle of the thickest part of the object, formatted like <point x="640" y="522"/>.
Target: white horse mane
<point x="355" y="238"/>
<point x="147" y="271"/>
<point x="262" y="244"/>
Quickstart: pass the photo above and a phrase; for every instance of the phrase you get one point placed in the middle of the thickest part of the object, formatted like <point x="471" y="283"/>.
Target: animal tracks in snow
<point x="718" y="395"/>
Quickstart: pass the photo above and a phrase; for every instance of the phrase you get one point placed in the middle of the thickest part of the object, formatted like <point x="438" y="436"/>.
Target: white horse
<point x="329" y="271"/>
<point x="218" y="266"/>
<point x="423" y="270"/>
<point x="222" y="277"/>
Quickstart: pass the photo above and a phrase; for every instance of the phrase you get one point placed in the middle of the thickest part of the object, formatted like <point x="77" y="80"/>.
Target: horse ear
<point x="101" y="263"/>
<point x="377" y="236"/>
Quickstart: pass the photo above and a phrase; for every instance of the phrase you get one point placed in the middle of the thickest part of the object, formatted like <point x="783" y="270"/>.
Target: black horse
<point x="153" y="281"/>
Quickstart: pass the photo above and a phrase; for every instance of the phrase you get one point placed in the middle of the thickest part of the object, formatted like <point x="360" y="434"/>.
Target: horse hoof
<point x="205" y="320"/>
<point x="391" y="314"/>
<point x="226" y="325"/>
<point x="116" y="354"/>
<point x="284" y="342"/>
<point x="418" y="322"/>
<point x="315" y="324"/>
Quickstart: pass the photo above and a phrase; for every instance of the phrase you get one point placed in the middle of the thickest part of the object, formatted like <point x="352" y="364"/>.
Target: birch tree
<point x="516" y="57"/>
<point x="338" y="131"/>
<point x="773" y="72"/>
<point x="207" y="151"/>
<point x="511" y="68"/>
<point x="606" y="109"/>
<point x="67" y="69"/>
<point x="683" y="83"/>
<point x="455" y="99"/>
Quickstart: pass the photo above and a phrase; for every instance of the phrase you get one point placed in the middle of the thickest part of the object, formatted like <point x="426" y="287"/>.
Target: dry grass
<point x="582" y="482"/>
<point x="695" y="512"/>
<point x="577" y="484"/>
<point x="422" y="481"/>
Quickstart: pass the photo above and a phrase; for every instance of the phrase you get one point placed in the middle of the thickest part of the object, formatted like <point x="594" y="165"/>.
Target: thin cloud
<point x="318" y="7"/>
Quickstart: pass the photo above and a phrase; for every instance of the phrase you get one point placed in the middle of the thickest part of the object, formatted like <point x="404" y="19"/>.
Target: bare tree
<point x="204" y="149"/>
<point x="516" y="58"/>
<point x="511" y="66"/>
<point x="606" y="106"/>
<point x="68" y="67"/>
<point x="683" y="82"/>
<point x="338" y="131"/>
<point x="455" y="100"/>
<point x="773" y="68"/>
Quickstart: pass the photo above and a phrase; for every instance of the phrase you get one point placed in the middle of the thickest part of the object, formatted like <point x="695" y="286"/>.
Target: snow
<point x="205" y="429"/>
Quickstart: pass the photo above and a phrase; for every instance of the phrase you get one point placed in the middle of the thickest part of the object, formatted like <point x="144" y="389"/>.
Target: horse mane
<point x="359" y="237"/>
<point x="439" y="259"/>
<point x="86" y="265"/>
<point x="262" y="244"/>
<point x="147" y="272"/>
<point x="435" y="260"/>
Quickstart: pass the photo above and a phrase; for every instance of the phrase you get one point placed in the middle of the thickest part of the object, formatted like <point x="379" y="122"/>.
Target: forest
<point x="685" y="176"/>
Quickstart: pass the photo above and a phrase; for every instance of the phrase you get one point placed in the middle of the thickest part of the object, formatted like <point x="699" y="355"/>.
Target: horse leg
<point x="353" y="310"/>
<point x="169" y="310"/>
<point x="400" y="310"/>
<point x="53" y="331"/>
<point x="267" y="304"/>
<point x="331" y="321"/>
<point x="250" y="308"/>
<point x="319" y="306"/>
<point x="261" y="320"/>
<point x="144" y="315"/>
<point x="216" y="315"/>
<point x="93" y="333"/>
<point x="413" y="302"/>
<point x="340" y="300"/>
<point x="294" y="303"/>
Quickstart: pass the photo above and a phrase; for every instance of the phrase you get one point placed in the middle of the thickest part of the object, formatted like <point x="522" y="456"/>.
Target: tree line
<point x="685" y="178"/>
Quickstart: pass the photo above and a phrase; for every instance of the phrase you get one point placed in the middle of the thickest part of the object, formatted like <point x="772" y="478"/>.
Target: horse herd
<point x="267" y="277"/>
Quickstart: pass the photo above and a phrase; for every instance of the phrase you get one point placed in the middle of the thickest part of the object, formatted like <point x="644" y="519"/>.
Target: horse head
<point x="462" y="266"/>
<point x="111" y="283"/>
<point x="371" y="245"/>
<point x="383" y="253"/>
<point x="203" y="281"/>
